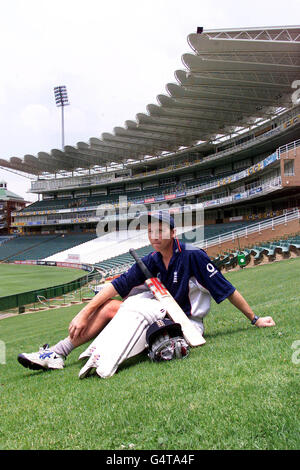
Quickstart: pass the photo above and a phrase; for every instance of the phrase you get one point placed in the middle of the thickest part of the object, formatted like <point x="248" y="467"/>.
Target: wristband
<point x="254" y="320"/>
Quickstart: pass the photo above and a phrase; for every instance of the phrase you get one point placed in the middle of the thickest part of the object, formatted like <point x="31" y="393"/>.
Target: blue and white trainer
<point x="44" y="359"/>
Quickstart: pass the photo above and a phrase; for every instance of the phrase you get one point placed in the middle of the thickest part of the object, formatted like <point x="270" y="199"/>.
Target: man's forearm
<point x="239" y="302"/>
<point x="105" y="294"/>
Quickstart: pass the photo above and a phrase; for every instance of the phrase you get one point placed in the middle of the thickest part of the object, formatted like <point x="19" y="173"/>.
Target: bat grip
<point x="140" y="264"/>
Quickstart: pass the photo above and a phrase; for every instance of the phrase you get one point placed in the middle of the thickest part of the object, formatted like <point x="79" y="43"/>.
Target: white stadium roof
<point x="232" y="79"/>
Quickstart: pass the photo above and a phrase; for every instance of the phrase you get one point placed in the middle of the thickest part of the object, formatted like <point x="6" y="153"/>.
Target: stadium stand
<point x="102" y="247"/>
<point x="5" y="238"/>
<point x="221" y="137"/>
<point x="39" y="246"/>
<point x="266" y="252"/>
<point x="99" y="249"/>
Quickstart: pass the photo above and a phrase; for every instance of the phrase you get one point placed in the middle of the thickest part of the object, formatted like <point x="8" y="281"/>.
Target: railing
<point x="30" y="297"/>
<point x="287" y="147"/>
<point x="255" y="228"/>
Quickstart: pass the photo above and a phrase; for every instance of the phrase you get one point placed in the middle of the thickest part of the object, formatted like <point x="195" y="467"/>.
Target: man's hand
<point x="77" y="326"/>
<point x="262" y="322"/>
<point x="80" y="322"/>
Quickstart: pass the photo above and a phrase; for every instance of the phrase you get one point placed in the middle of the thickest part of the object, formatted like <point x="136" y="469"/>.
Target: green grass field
<point x="239" y="391"/>
<point x="17" y="278"/>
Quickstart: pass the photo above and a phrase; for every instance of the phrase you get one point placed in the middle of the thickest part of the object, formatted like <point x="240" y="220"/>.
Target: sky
<point x="114" y="57"/>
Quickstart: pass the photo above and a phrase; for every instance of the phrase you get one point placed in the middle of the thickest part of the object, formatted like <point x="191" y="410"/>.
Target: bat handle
<point x="140" y="264"/>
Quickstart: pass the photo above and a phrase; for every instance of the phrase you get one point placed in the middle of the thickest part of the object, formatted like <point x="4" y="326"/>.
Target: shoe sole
<point x="33" y="365"/>
<point x="29" y="364"/>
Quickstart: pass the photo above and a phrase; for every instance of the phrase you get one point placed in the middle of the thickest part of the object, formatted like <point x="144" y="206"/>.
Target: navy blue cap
<point x="160" y="216"/>
<point x="160" y="325"/>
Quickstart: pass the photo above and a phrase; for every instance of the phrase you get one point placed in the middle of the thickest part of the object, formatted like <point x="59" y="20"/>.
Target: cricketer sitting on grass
<point x="120" y="326"/>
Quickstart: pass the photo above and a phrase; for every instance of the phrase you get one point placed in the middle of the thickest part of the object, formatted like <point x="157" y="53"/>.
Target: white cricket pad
<point x="125" y="334"/>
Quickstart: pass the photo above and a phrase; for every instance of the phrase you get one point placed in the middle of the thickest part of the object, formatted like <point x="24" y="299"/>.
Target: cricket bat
<point x="190" y="332"/>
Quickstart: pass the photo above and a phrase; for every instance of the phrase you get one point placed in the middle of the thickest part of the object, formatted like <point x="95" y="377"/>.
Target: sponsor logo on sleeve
<point x="211" y="269"/>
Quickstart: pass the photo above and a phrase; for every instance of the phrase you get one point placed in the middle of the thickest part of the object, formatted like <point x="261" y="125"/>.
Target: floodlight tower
<point x="61" y="99"/>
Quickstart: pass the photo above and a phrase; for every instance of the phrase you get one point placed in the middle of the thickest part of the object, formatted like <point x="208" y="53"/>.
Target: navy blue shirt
<point x="188" y="264"/>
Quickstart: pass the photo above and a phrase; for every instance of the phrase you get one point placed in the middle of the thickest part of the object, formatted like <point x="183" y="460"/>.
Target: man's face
<point x="160" y="235"/>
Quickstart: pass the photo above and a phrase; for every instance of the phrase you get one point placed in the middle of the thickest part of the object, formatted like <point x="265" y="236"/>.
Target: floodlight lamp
<point x="61" y="96"/>
<point x="61" y="100"/>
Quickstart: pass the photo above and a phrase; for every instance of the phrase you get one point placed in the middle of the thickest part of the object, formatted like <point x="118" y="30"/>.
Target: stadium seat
<point x="232" y="262"/>
<point x="36" y="247"/>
